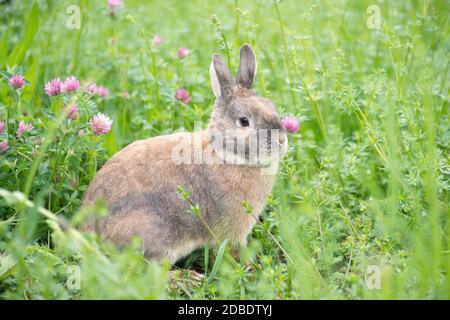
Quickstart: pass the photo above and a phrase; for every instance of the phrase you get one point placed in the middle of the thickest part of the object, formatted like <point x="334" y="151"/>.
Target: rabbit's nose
<point x="282" y="139"/>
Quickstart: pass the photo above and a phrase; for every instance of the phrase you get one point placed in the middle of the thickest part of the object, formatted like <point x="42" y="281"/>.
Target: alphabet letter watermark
<point x="74" y="279"/>
<point x="373" y="277"/>
<point x="374" y="18"/>
<point x="74" y="19"/>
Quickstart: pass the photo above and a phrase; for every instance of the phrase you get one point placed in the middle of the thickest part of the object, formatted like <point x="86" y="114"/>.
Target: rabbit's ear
<point x="247" y="67"/>
<point x="221" y="81"/>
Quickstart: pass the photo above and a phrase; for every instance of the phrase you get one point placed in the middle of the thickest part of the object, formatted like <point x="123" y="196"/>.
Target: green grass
<point x="365" y="183"/>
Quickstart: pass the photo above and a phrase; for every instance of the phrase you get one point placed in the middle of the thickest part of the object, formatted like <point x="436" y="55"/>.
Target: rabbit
<point x="139" y="184"/>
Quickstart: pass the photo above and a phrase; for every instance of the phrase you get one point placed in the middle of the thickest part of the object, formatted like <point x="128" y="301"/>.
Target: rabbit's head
<point x="245" y="128"/>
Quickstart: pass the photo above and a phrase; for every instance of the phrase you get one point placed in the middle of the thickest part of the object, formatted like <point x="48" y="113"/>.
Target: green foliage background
<point x="365" y="182"/>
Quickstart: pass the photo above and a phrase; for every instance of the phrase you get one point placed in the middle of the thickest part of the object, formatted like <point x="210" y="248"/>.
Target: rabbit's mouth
<point x="260" y="148"/>
<point x="283" y="143"/>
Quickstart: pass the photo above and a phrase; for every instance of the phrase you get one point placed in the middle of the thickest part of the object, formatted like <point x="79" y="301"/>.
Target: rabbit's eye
<point x="243" y="122"/>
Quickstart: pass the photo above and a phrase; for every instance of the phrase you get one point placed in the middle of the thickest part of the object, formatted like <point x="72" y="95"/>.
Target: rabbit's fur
<point x="139" y="183"/>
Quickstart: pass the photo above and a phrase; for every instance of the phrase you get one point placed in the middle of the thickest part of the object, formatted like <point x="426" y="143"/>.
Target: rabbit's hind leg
<point x="158" y="238"/>
<point x="121" y="228"/>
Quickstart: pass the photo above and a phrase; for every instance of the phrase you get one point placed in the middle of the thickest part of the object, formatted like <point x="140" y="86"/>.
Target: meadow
<point x="360" y="209"/>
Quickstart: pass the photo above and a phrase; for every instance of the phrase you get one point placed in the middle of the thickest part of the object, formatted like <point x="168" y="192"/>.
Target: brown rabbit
<point x="139" y="183"/>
